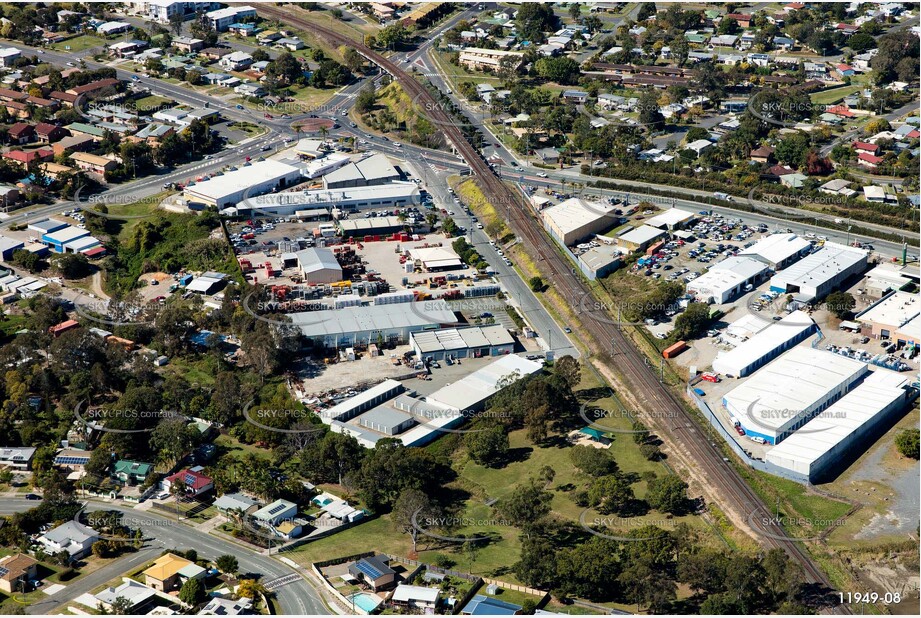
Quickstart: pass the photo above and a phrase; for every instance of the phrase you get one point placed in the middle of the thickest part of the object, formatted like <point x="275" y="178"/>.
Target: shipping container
<point x="675" y="349"/>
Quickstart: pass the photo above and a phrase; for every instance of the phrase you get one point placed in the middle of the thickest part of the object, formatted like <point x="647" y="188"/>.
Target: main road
<point x="672" y="420"/>
<point x="297" y="598"/>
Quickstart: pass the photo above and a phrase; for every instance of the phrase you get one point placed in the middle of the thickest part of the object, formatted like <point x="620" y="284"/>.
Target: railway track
<point x="641" y="379"/>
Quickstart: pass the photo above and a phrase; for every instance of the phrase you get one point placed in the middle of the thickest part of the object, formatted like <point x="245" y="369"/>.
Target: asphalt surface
<point x="295" y="598"/>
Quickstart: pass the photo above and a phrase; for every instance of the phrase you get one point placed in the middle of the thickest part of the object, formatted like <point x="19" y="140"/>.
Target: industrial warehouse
<point x="778" y="250"/>
<point x="784" y="395"/>
<point x="727" y="279"/>
<point x="766" y="345"/>
<point x="574" y="219"/>
<point x="462" y="342"/>
<point x="388" y="196"/>
<point x="389" y="410"/>
<point x="820" y="273"/>
<point x="827" y="443"/>
<point x="251" y="179"/>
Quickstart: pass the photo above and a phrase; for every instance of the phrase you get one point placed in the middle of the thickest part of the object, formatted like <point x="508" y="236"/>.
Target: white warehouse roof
<point x="314" y="259"/>
<point x="383" y="194"/>
<point x="670" y="218"/>
<point x="575" y="213"/>
<point x="777" y="247"/>
<point x="471" y="391"/>
<point x="260" y="172"/>
<point x="331" y="322"/>
<point x="821" y="266"/>
<point x="641" y="235"/>
<point x="880" y="390"/>
<point x="791" y="387"/>
<point x="897" y="309"/>
<point x="763" y="343"/>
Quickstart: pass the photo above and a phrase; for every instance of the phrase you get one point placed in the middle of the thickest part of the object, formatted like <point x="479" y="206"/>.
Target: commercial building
<point x="787" y="393"/>
<point x="8" y="55"/>
<point x="778" y="250"/>
<point x="820" y="273"/>
<point x="896" y="316"/>
<point x="672" y="219"/>
<point x="417" y="421"/>
<point x="463" y="342"/>
<point x="222" y="18"/>
<point x="639" y="238"/>
<point x="888" y="277"/>
<point x="8" y="247"/>
<point x="57" y="240"/>
<point x="765" y="344"/>
<point x="319" y="266"/>
<point x="727" y="279"/>
<point x="479" y="59"/>
<point x="371" y="226"/>
<point x="574" y="219"/>
<point x="46" y="226"/>
<point x="388" y="196"/>
<point x="824" y="444"/>
<point x="375" y="170"/>
<point x="599" y="261"/>
<point x="207" y="283"/>
<point x="253" y="179"/>
<point x="340" y="328"/>
<point x="435" y="259"/>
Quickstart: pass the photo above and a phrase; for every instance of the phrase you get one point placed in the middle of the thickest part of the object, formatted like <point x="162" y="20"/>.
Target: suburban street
<point x="298" y="597"/>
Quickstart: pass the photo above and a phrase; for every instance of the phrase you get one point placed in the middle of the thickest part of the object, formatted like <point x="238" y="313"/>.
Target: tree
<point x="412" y="511"/>
<point x="861" y="42"/>
<point x="251" y="589"/>
<point x="227" y="564"/>
<point x="575" y="11"/>
<point x="526" y="505"/>
<point x="561" y="70"/>
<point x="569" y="369"/>
<point x="192" y="593"/>
<point x="792" y="149"/>
<point x="611" y="494"/>
<point x="592" y="461"/>
<point x="393" y="36"/>
<point x="897" y="58"/>
<point x="73" y="265"/>
<point x="533" y="19"/>
<point x="26" y="259"/>
<point x="840" y="303"/>
<point x="648" y="107"/>
<point x="365" y="100"/>
<point x="693" y="321"/>
<point x="906" y="442"/>
<point x="668" y="494"/>
<point x="537" y="284"/>
<point x="488" y="447"/>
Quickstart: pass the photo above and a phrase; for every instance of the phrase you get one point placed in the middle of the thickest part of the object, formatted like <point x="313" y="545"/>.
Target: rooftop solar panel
<point x="368" y="569"/>
<point x="3" y="571"/>
<point x="277" y="508"/>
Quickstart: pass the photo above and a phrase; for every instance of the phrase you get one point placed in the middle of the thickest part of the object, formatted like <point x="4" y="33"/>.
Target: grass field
<point x="80" y="43"/>
<point x="834" y="95"/>
<point x="153" y="103"/>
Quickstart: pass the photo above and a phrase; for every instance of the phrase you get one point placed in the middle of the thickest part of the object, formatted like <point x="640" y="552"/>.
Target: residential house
<point x="548" y="155"/>
<point x="188" y="45"/>
<point x="479" y="59"/>
<point x="874" y="193"/>
<point x="131" y="472"/>
<point x="844" y="70"/>
<point x="236" y="61"/>
<point x="21" y="133"/>
<point x="416" y="598"/>
<point x="93" y="164"/>
<point x="73" y="143"/>
<point x="374" y="572"/>
<point x="94" y="87"/>
<point x="24" y="159"/>
<point x="482" y="605"/>
<point x="575" y="96"/>
<point x="868" y="160"/>
<point x="218" y="606"/>
<point x="169" y="572"/>
<point x="762" y="154"/>
<point x="135" y="595"/>
<point x="195" y="483"/>
<point x="16" y="571"/>
<point x="700" y="146"/>
<point x="838" y="186"/>
<point x="234" y="502"/>
<point x="794" y="180"/>
<point x="865" y="147"/>
<point x="290" y="43"/>
<point x="8" y="56"/>
<point x="16" y="457"/>
<point x="71" y="459"/>
<point x="71" y="537"/>
<point x="740" y="18"/>
<point x="48" y="133"/>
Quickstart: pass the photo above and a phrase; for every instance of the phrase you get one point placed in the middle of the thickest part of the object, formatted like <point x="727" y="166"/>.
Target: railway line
<point x="671" y="419"/>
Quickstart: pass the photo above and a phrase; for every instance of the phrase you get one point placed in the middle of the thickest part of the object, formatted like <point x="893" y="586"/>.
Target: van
<point x="757" y="439"/>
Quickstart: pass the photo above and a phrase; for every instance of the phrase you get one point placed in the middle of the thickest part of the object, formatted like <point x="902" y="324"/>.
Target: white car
<point x="479" y="226"/>
<point x="162" y="496"/>
<point x="542" y="174"/>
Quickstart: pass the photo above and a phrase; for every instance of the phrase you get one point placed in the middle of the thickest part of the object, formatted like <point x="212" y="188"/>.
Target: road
<point x="674" y="422"/>
<point x="296" y="598"/>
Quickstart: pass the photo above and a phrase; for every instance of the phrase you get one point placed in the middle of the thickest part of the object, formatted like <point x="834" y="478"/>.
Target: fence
<point x="757" y="464"/>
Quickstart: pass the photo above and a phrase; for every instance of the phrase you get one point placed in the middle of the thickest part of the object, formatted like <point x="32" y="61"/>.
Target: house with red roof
<point x="844" y="70"/>
<point x="742" y="19"/>
<point x="762" y="154"/>
<point x="58" y="329"/>
<point x="793" y="6"/>
<point x="847" y="29"/>
<point x="49" y="133"/>
<point x="94" y="86"/>
<point x="867" y="160"/>
<point x="194" y="482"/>
<point x="867" y="147"/>
<point x="63" y="97"/>
<point x="24" y="158"/>
<point x="21" y="133"/>
<point x="841" y="111"/>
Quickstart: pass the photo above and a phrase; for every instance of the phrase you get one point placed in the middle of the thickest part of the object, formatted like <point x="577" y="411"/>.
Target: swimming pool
<point x="364" y="601"/>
